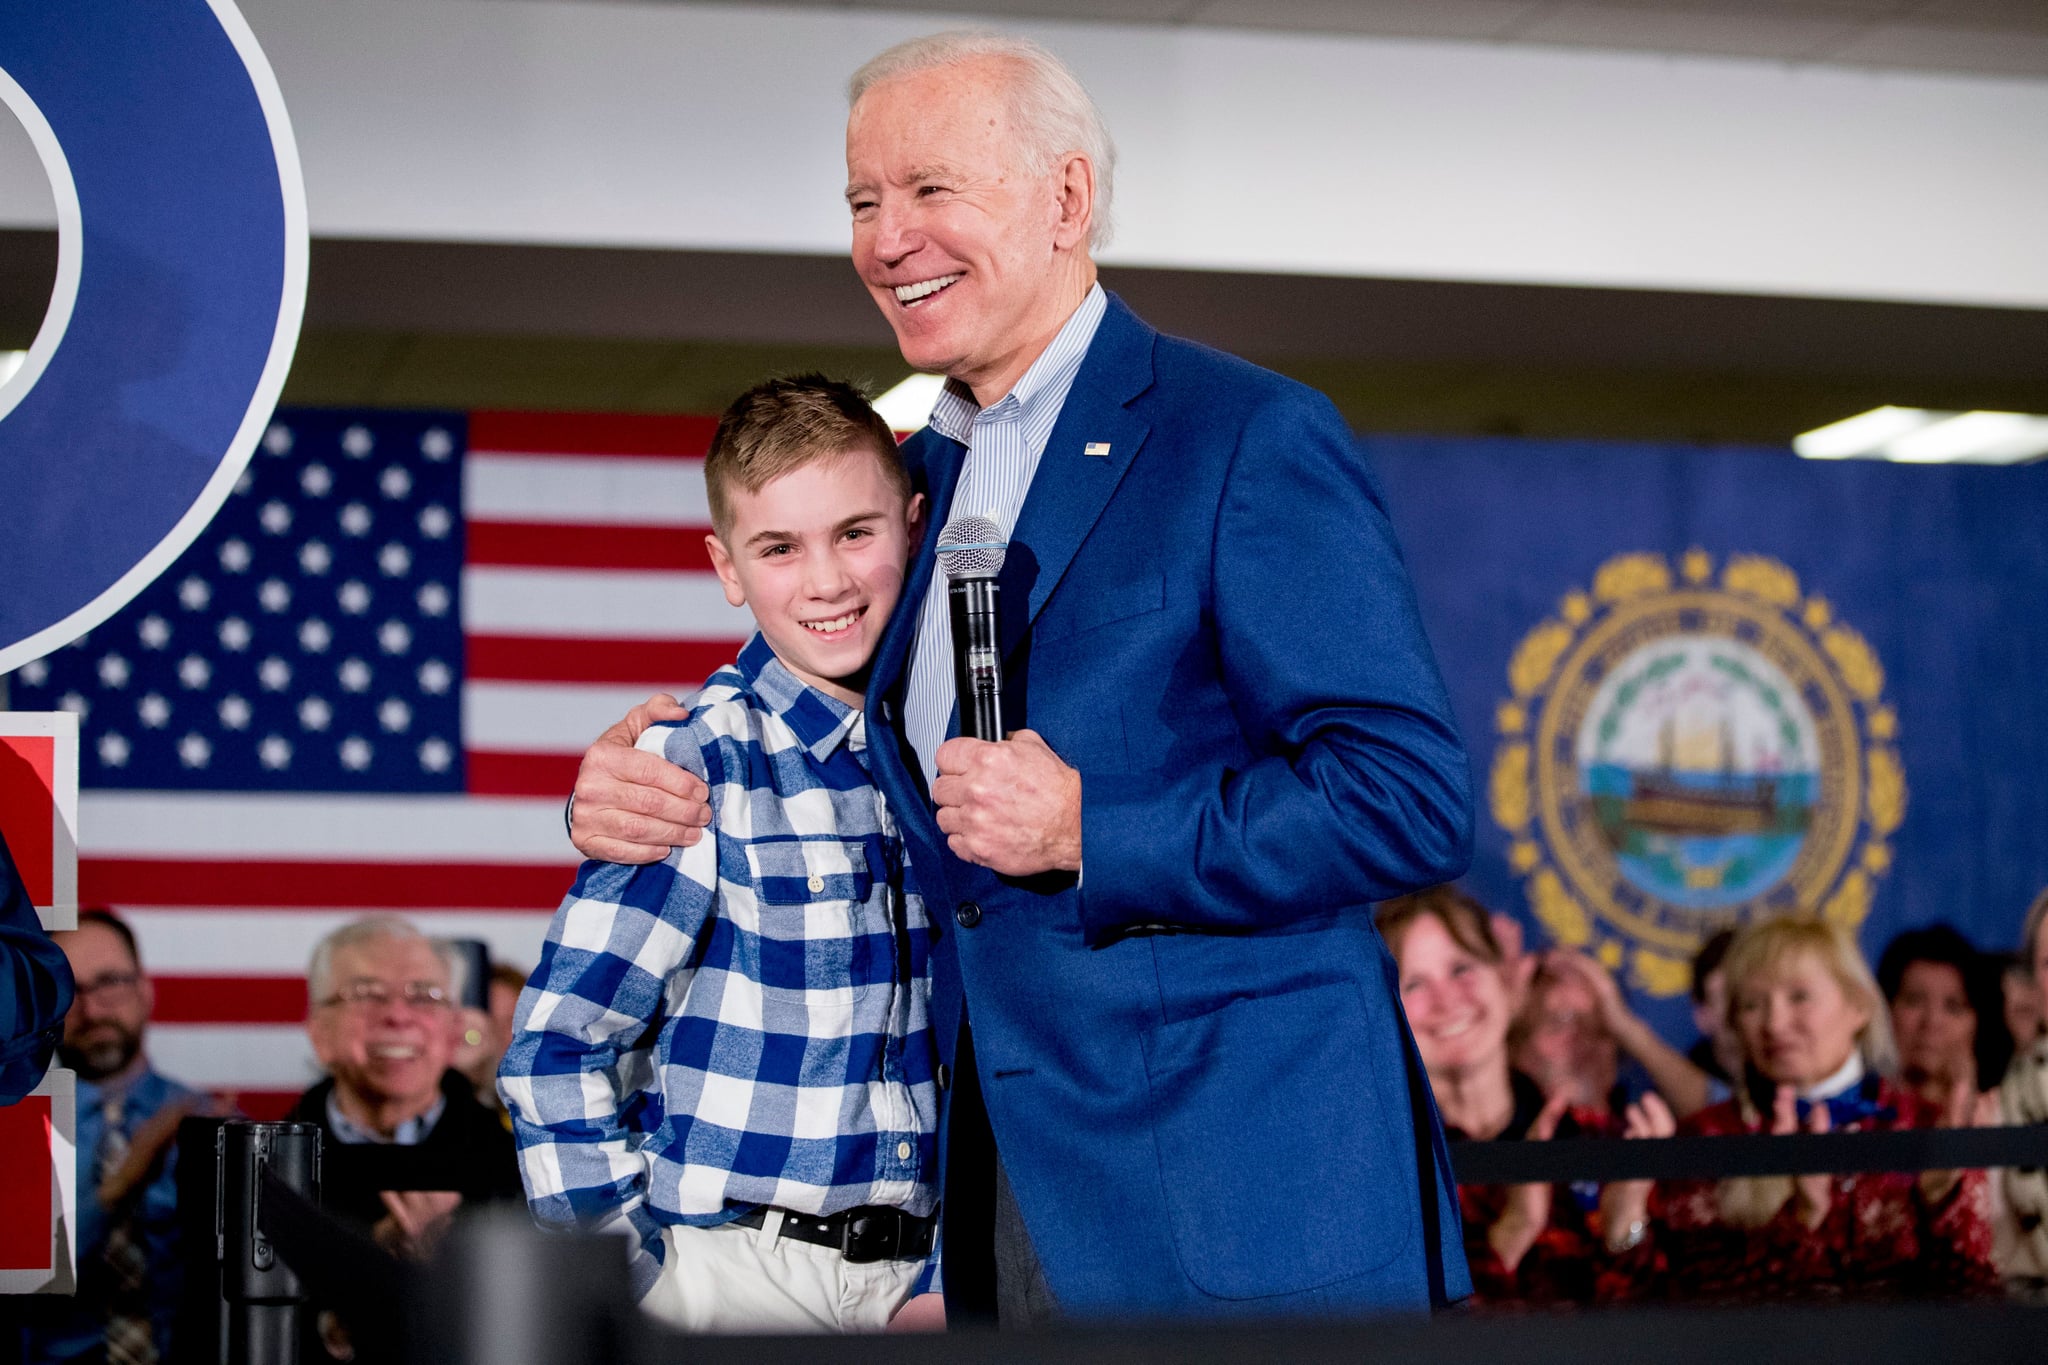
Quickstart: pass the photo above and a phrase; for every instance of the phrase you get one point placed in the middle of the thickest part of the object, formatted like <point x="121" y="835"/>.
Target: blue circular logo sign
<point x="181" y="281"/>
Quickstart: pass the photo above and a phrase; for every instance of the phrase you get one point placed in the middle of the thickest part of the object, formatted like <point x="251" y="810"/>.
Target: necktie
<point x="129" y="1338"/>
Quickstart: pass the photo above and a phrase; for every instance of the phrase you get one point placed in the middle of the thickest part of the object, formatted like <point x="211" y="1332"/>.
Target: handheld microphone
<point x="971" y="550"/>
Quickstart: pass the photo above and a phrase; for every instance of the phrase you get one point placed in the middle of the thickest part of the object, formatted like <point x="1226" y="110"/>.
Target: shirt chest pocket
<point x="813" y="940"/>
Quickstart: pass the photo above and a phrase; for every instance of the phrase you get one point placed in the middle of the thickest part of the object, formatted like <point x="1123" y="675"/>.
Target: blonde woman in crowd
<point x="1818" y="1056"/>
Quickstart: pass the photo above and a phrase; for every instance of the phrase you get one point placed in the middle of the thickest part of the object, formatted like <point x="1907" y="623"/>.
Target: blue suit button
<point x="967" y="915"/>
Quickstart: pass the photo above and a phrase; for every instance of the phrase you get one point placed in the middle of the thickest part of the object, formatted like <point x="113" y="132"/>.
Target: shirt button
<point x="903" y="1151"/>
<point x="945" y="1077"/>
<point x="968" y="914"/>
<point x="817" y="883"/>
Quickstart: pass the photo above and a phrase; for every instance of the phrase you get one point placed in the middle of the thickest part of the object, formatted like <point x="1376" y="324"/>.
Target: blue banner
<point x="1702" y="685"/>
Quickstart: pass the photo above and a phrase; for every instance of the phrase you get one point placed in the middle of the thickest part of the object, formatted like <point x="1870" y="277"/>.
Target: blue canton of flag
<point x="310" y="639"/>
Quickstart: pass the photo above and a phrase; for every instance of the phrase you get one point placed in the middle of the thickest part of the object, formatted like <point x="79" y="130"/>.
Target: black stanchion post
<point x="262" y="1295"/>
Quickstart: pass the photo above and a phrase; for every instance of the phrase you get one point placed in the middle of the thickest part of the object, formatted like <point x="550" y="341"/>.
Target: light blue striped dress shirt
<point x="1004" y="441"/>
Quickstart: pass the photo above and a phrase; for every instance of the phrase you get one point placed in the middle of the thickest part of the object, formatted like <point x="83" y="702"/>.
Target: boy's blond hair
<point x="782" y="425"/>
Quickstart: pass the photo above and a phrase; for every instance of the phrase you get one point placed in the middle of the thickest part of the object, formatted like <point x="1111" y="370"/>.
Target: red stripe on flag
<point x="562" y="546"/>
<point x="678" y="665"/>
<point x="28" y="777"/>
<point x="586" y="433"/>
<point x="507" y="774"/>
<point x="308" y="885"/>
<point x="265" y="1106"/>
<point x="229" y="999"/>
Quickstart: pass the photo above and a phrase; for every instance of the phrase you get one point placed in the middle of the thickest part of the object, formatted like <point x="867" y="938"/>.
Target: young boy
<point x="729" y="1050"/>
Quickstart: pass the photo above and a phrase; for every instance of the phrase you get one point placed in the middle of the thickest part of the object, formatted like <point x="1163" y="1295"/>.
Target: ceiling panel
<point x="1991" y="37"/>
<point x="1775" y="33"/>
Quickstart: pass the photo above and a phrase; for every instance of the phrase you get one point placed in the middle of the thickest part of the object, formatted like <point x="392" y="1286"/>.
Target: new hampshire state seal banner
<point x="1701" y="686"/>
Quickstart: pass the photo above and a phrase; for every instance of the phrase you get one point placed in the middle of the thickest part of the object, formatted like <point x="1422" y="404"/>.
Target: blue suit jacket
<point x="1195" y="1064"/>
<point x="35" y="988"/>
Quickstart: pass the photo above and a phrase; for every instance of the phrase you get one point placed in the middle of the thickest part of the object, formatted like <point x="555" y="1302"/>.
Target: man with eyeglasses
<point x="382" y="1019"/>
<point x="129" y="1269"/>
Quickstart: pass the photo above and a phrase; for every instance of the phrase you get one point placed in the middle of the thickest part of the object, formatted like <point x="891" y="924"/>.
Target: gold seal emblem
<point x="1687" y="750"/>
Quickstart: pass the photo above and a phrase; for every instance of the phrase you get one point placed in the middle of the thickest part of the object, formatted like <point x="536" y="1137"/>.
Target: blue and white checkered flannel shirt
<point x="744" y="1023"/>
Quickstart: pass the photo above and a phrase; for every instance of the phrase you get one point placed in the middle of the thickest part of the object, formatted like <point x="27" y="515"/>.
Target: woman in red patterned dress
<point x="1528" y="1245"/>
<point x="1816" y="1048"/>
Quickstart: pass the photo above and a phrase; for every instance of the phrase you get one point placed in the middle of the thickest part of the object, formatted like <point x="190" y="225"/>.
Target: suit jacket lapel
<point x="1071" y="487"/>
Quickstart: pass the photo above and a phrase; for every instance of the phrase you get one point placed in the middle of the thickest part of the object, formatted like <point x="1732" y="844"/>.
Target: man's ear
<point x="321" y="1033"/>
<point x="913" y="519"/>
<point x="727" y="575"/>
<point x="1075" y="187"/>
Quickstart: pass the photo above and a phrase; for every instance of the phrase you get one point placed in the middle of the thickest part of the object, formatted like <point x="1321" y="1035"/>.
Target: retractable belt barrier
<point x="1562" y="1161"/>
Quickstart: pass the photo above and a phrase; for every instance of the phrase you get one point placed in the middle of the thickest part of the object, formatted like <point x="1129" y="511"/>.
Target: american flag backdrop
<point x="365" y="688"/>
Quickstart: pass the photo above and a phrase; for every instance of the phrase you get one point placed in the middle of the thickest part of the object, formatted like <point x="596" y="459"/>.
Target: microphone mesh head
<point x="972" y="547"/>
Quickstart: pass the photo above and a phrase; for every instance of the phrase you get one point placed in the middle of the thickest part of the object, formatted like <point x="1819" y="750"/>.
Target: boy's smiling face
<point x="819" y="555"/>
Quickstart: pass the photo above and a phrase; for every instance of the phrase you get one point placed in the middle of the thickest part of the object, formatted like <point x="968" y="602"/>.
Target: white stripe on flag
<point x="600" y="604"/>
<point x="547" y="718"/>
<point x="234" y="1056"/>
<point x="585" y="489"/>
<point x="293" y="825"/>
<point x="205" y="942"/>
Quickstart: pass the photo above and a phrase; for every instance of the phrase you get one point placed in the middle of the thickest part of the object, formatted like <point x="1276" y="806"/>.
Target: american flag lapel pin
<point x="1096" y="448"/>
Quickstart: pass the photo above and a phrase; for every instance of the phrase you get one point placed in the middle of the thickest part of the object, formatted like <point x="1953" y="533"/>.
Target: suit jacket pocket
<point x="1278" y="1143"/>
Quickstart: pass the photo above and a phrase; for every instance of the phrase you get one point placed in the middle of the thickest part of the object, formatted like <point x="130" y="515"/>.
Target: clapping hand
<point x="1528" y="1207"/>
<point x="1625" y="1204"/>
<point x="1813" y="1195"/>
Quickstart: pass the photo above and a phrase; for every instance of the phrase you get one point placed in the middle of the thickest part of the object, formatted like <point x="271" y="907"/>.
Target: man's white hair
<point x="1054" y="114"/>
<point x="369" y="929"/>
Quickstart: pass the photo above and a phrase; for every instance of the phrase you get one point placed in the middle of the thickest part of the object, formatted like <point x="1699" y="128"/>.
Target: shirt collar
<point x="408" y="1134"/>
<point x="820" y="723"/>
<point x="1847" y="1078"/>
<point x="1047" y="381"/>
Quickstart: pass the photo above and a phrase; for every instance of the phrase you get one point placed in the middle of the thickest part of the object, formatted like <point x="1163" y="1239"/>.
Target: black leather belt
<point x="864" y="1234"/>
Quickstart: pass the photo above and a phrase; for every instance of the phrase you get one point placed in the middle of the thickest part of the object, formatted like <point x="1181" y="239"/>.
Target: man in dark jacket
<point x="405" y="1138"/>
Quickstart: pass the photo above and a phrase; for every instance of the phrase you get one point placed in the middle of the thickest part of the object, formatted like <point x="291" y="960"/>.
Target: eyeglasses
<point x="108" y="986"/>
<point x="369" y="993"/>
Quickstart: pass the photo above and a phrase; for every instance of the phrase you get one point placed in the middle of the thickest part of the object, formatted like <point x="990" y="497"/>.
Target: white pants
<point x="734" y="1279"/>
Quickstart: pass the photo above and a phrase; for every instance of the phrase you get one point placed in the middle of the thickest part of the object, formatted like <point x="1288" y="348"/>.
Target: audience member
<point x="1572" y="1033"/>
<point x="383" y="1025"/>
<point x="1527" y="1244"/>
<point x="35" y="988"/>
<point x="1718" y="1052"/>
<point x="1817" y="1049"/>
<point x="478" y="1057"/>
<point x="1947" y="1011"/>
<point x="2022" y="1001"/>
<point x="2021" y="1228"/>
<point x="129" y="1269"/>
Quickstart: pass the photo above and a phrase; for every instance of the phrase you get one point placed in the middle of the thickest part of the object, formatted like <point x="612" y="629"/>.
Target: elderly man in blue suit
<point x="1181" y="1081"/>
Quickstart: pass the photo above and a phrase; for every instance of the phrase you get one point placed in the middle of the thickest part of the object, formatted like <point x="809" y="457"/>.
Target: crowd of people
<point x="405" y="1062"/>
<point x="1798" y="1035"/>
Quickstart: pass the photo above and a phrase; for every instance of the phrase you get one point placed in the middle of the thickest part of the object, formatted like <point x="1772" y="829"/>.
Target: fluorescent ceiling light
<point x="1863" y="434"/>
<point x="908" y="406"/>
<point x="10" y="361"/>
<point x="1980" y="437"/>
<point x="1921" y="436"/>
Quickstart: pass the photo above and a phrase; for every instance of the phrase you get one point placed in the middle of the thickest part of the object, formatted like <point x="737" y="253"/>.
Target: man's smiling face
<point x="819" y="555"/>
<point x="962" y="246"/>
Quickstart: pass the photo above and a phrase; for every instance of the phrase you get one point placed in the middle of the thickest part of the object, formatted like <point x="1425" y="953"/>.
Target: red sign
<point x="28" y="782"/>
<point x="25" y="1185"/>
